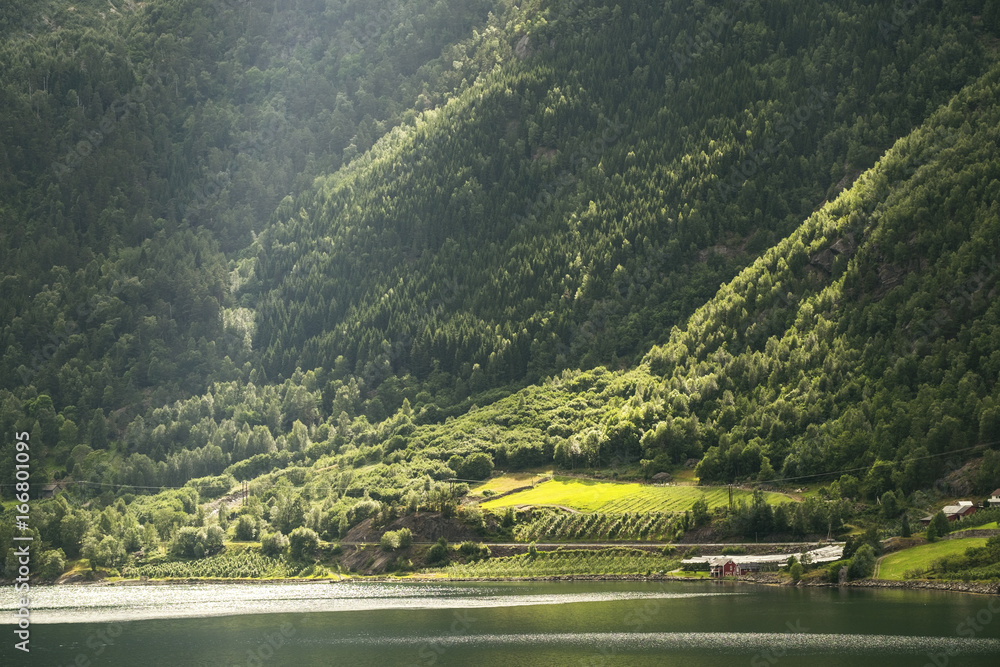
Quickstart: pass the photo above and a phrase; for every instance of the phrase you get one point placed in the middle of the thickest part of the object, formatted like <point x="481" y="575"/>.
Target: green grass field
<point x="593" y="496"/>
<point x="509" y="481"/>
<point x="894" y="566"/>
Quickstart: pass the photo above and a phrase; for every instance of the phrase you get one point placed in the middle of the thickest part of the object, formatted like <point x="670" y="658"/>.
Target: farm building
<point x="963" y="509"/>
<point x="719" y="569"/>
<point x="730" y="568"/>
<point x="994" y="500"/>
<point x="51" y="489"/>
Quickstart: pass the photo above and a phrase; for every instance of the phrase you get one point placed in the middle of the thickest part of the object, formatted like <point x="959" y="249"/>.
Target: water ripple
<point x="710" y="642"/>
<point x="90" y="604"/>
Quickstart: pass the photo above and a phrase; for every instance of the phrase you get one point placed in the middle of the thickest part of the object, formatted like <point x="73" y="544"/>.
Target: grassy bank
<point x="895" y="566"/>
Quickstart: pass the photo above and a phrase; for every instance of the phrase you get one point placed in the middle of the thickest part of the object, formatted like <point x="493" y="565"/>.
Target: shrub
<point x="192" y="542"/>
<point x="53" y="564"/>
<point x="700" y="512"/>
<point x="477" y="466"/>
<point x="246" y="529"/>
<point x="733" y="551"/>
<point x="212" y="487"/>
<point x="363" y="509"/>
<point x="863" y="563"/>
<point x="438" y="553"/>
<point x="302" y="543"/>
<point x="215" y="538"/>
<point x="796" y="571"/>
<point x="890" y="506"/>
<point x="389" y="541"/>
<point x="396" y="539"/>
<point x="107" y="552"/>
<point x="274" y="544"/>
<point x="474" y="551"/>
<point x="232" y="563"/>
<point x="941" y="525"/>
<point x="405" y="538"/>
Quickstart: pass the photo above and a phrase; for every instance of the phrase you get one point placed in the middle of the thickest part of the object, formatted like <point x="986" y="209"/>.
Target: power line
<point x="881" y="463"/>
<point x="455" y="479"/>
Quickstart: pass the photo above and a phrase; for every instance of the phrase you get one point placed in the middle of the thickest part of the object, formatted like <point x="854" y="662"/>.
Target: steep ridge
<point x="864" y="347"/>
<point x="866" y="343"/>
<point x="591" y="190"/>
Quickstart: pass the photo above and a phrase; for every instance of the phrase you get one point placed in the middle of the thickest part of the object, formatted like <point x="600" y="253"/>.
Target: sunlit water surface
<point x="502" y="624"/>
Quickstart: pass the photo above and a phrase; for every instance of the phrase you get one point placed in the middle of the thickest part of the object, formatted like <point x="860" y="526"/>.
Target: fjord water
<point x="503" y="624"/>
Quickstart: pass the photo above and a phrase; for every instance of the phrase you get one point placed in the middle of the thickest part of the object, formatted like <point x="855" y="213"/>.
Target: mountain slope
<point x="570" y="187"/>
<point x="146" y="142"/>
<point x="864" y="344"/>
<point x="591" y="190"/>
<point x="867" y="342"/>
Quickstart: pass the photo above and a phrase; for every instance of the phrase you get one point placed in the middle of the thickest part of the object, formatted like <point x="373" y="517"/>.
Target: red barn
<point x="721" y="569"/>
<point x="957" y="512"/>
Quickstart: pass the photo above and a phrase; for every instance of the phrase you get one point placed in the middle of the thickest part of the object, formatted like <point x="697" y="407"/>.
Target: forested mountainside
<point x="378" y="247"/>
<point x="592" y="191"/>
<point x="864" y="348"/>
<point x="146" y="142"/>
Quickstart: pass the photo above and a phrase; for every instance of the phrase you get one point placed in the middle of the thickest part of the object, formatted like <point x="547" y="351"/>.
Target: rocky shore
<point x="983" y="588"/>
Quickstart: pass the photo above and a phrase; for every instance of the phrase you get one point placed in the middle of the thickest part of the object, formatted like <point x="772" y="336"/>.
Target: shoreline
<point x="975" y="588"/>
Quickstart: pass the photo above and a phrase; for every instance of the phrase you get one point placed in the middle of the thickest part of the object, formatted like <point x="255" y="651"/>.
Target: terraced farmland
<point x="557" y="525"/>
<point x="579" y="562"/>
<point x="233" y="563"/>
<point x="613" y="498"/>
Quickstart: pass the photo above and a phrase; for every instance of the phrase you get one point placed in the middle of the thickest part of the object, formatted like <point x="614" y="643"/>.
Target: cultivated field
<point x="556" y="525"/>
<point x="233" y="563"/>
<point x="614" y="498"/>
<point x="580" y="562"/>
